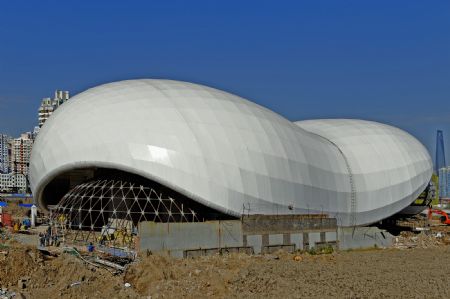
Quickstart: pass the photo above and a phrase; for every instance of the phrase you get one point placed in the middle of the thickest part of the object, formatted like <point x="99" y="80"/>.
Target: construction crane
<point x="444" y="216"/>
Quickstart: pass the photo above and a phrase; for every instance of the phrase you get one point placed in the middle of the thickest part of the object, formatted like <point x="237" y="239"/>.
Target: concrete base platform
<point x="363" y="237"/>
<point x="256" y="235"/>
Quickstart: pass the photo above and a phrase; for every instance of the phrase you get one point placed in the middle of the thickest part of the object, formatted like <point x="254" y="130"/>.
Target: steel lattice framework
<point x="110" y="210"/>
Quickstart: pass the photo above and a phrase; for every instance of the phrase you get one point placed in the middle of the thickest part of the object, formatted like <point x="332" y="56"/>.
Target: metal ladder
<point x="353" y="203"/>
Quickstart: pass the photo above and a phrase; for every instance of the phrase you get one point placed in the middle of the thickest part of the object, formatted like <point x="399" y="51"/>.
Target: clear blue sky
<point x="381" y="60"/>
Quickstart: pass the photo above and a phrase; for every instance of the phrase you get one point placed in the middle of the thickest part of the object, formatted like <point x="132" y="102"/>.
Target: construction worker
<point x="41" y="240"/>
<point x="90" y="247"/>
<point x="46" y="239"/>
<point x="26" y="223"/>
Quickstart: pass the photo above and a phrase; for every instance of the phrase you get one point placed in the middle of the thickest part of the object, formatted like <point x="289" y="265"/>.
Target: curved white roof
<point x="389" y="167"/>
<point x="231" y="154"/>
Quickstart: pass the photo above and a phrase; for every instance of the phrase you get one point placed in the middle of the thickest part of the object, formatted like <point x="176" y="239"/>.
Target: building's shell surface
<point x="232" y="154"/>
<point x="387" y="165"/>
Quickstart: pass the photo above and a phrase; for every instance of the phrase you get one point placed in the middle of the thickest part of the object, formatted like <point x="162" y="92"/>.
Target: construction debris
<point x="26" y="271"/>
<point x="22" y="283"/>
<point x="99" y="262"/>
<point x="5" y="294"/>
<point x="421" y="240"/>
<point x="109" y="264"/>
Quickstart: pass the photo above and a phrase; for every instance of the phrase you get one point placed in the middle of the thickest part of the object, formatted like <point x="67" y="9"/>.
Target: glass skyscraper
<point x="444" y="182"/>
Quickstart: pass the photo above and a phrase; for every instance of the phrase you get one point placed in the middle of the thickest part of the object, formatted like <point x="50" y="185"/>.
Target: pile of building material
<point x="113" y="264"/>
<point x="6" y="294"/>
<point x="422" y="240"/>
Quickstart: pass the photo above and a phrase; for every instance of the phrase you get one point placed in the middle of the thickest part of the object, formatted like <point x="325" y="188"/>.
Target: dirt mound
<point x="18" y="262"/>
<point x="61" y="277"/>
<point x="162" y="276"/>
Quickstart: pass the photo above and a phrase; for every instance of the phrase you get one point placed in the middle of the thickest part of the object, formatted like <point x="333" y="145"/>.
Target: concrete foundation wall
<point x="203" y="238"/>
<point x="363" y="237"/>
<point x="175" y="238"/>
<point x="253" y="235"/>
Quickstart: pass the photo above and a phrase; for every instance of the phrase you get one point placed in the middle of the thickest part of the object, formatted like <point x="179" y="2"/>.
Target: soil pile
<point x="18" y="262"/>
<point x="162" y="276"/>
<point x="33" y="275"/>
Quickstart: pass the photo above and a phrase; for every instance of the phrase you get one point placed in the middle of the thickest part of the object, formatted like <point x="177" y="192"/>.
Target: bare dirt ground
<point x="417" y="267"/>
<point x="390" y="273"/>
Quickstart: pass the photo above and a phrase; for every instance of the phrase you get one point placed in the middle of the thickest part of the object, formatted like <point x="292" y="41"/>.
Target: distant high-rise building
<point x="5" y="152"/>
<point x="440" y="152"/>
<point x="35" y="132"/>
<point x="20" y="153"/>
<point x="444" y="182"/>
<point x="14" y="162"/>
<point x="49" y="105"/>
<point x="13" y="182"/>
<point x="45" y="110"/>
